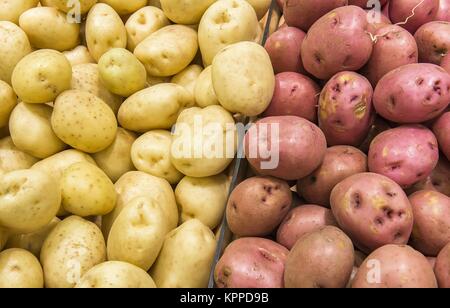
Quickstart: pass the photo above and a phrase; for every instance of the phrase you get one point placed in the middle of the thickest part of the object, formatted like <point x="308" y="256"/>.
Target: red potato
<point x="373" y="210"/>
<point x="365" y="3"/>
<point x="251" y="263"/>
<point x="431" y="231"/>
<point x="376" y="20"/>
<point x="441" y="129"/>
<point x="406" y="154"/>
<point x="295" y="95"/>
<point x="304" y="13"/>
<point x="258" y="205"/>
<point x="346" y="112"/>
<point x="285" y="147"/>
<point x="433" y="40"/>
<point x="400" y="10"/>
<point x="320" y="259"/>
<point x="439" y="180"/>
<point x="395" y="266"/>
<point x="284" y="47"/>
<point x="393" y="48"/>
<point x="339" y="163"/>
<point x="339" y="41"/>
<point x="443" y="13"/>
<point x="413" y="93"/>
<point x="442" y="267"/>
<point x="380" y="125"/>
<point x="302" y="220"/>
<point x="445" y="63"/>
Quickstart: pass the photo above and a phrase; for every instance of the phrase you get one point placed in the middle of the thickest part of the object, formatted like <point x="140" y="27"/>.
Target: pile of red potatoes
<point x="360" y="197"/>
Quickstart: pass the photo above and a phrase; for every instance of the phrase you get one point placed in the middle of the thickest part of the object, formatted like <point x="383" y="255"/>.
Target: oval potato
<point x="12" y="159"/>
<point x="187" y="12"/>
<point x="20" y="269"/>
<point x="8" y="100"/>
<point x="10" y="10"/>
<point x="204" y="90"/>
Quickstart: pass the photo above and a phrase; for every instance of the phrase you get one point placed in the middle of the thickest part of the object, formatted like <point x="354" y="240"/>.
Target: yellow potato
<point x="186" y="257"/>
<point x="139" y="184"/>
<point x="32" y="242"/>
<point x="20" y="269"/>
<point x="84" y="121"/>
<point x="31" y="130"/>
<point x="78" y="55"/>
<point x="15" y="45"/>
<point x="125" y="7"/>
<point x="203" y="199"/>
<point x="204" y="141"/>
<point x="150" y="153"/>
<point x="187" y="78"/>
<point x="261" y="7"/>
<point x="104" y="30"/>
<point x="87" y="191"/>
<point x="137" y="234"/>
<point x="41" y="76"/>
<point x="245" y="86"/>
<point x="115" y="274"/>
<point x="86" y="77"/>
<point x="187" y="12"/>
<point x="204" y="91"/>
<point x="156" y="107"/>
<point x="168" y="51"/>
<point x="10" y="10"/>
<point x="68" y="6"/>
<point x="8" y="101"/>
<point x="115" y="160"/>
<point x="72" y="248"/>
<point x="224" y="23"/>
<point x="3" y="237"/>
<point x="11" y="158"/>
<point x="121" y="72"/>
<point x="46" y="27"/>
<point x="29" y="200"/>
<point x="142" y="23"/>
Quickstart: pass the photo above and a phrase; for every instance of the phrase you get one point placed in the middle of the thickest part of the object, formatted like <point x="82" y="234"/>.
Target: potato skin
<point x="204" y="92"/>
<point x="396" y="42"/>
<point x="443" y="13"/>
<point x="251" y="263"/>
<point x="63" y="5"/>
<point x="257" y="206"/>
<point x="20" y="269"/>
<point x="9" y="101"/>
<point x="186" y="12"/>
<point x="11" y="10"/>
<point x="339" y="163"/>
<point x="73" y="247"/>
<point x="116" y="274"/>
<point x="406" y="154"/>
<point x="441" y="129"/>
<point x="442" y="267"/>
<point x="345" y="109"/>
<point x="347" y="48"/>
<point x="439" y="180"/>
<point x="320" y="259"/>
<point x="12" y="159"/>
<point x="303" y="13"/>
<point x="125" y="7"/>
<point x="295" y="135"/>
<point x="373" y="210"/>
<point x="295" y="94"/>
<point x="302" y="220"/>
<point x="395" y="266"/>
<point x="79" y="55"/>
<point x="400" y="10"/>
<point x="431" y="230"/>
<point x="433" y="41"/>
<point x="284" y="49"/>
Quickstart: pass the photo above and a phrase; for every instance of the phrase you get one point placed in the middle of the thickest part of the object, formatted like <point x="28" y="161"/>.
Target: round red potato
<point x="395" y="266"/>
<point x="443" y="13"/>
<point x="439" y="180"/>
<point x="339" y="163"/>
<point x="406" y="154"/>
<point x="337" y="42"/>
<point x="320" y="259"/>
<point x="258" y="205"/>
<point x="433" y="40"/>
<point x="380" y="125"/>
<point x="302" y="220"/>
<point x="251" y="263"/>
<point x="284" y="47"/>
<point x="442" y="267"/>
<point x="431" y="231"/>
<point x="376" y="20"/>
<point x="303" y="13"/>
<point x="295" y="95"/>
<point x="401" y="11"/>
<point x="394" y="47"/>
<point x="373" y="210"/>
<point x="285" y="147"/>
<point x="441" y="129"/>
<point x="413" y="93"/>
<point x="346" y="112"/>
